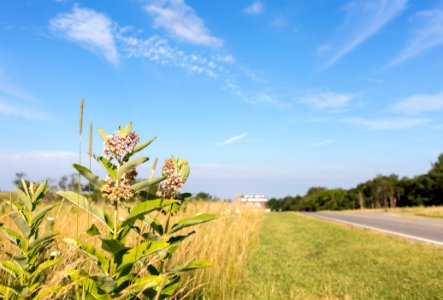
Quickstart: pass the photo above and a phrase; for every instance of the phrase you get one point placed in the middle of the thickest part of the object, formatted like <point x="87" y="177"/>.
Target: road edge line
<point x="379" y="229"/>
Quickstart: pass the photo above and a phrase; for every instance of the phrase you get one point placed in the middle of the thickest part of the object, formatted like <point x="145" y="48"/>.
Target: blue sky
<point x="267" y="97"/>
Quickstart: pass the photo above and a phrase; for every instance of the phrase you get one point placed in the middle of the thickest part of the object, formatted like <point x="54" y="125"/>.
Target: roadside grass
<point x="300" y="257"/>
<point x="225" y="242"/>
<point x="421" y="211"/>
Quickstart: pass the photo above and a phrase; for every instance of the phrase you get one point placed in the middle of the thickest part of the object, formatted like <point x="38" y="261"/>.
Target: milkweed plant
<point x="123" y="269"/>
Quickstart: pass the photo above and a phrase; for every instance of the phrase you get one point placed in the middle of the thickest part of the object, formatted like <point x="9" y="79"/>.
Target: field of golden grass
<point x="225" y="242"/>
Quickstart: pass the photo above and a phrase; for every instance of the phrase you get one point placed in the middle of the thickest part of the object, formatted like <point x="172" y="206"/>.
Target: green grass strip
<point x="301" y="257"/>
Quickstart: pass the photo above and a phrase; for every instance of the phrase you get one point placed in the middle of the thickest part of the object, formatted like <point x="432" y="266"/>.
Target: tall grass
<point x="226" y="243"/>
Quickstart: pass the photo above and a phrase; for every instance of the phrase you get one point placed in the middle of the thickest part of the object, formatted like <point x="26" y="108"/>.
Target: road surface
<point x="421" y="229"/>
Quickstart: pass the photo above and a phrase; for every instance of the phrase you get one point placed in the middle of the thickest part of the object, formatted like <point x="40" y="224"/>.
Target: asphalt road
<point x="421" y="229"/>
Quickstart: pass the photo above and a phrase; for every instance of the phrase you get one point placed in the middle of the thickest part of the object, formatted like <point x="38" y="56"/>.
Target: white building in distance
<point x="258" y="201"/>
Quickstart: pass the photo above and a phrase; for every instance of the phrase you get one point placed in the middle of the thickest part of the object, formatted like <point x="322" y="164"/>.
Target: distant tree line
<point x="380" y="192"/>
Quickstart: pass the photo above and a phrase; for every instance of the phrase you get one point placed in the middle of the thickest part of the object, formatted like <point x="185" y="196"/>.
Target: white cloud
<point x="181" y="22"/>
<point x="255" y="8"/>
<point x="234" y="139"/>
<point x="328" y="100"/>
<point x="14" y="110"/>
<point x="159" y="50"/>
<point x="387" y="123"/>
<point x="363" y="19"/>
<point x="90" y="29"/>
<point x="420" y="103"/>
<point x="427" y="34"/>
<point x="10" y="89"/>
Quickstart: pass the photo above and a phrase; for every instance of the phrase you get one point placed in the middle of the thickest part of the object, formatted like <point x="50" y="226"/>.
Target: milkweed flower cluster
<point x="171" y="186"/>
<point x="119" y="144"/>
<point x="117" y="192"/>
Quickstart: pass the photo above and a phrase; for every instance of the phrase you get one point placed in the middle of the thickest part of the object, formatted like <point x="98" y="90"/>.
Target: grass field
<point x="304" y="258"/>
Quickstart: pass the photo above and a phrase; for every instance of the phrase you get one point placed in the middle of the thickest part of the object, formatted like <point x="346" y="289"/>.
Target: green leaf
<point x="104" y="282"/>
<point x="179" y="238"/>
<point x="109" y="167"/>
<point x="22" y="225"/>
<point x="132" y="164"/>
<point x="142" y="146"/>
<point x="147" y="183"/>
<point x="187" y="222"/>
<point x="85" y="172"/>
<point x="128" y="129"/>
<point x="39" y="191"/>
<point x="25" y="199"/>
<point x="87" y="285"/>
<point x="8" y="292"/>
<point x="13" y="236"/>
<point x="142" y="284"/>
<point x="12" y="268"/>
<point x="93" y="230"/>
<point x="143" y="208"/>
<point x="83" y="203"/>
<point x="37" y="218"/>
<point x="44" y="240"/>
<point x="140" y="251"/>
<point x="193" y="265"/>
<point x="42" y="267"/>
<point x="154" y="224"/>
<point x="113" y="246"/>
<point x="102" y="134"/>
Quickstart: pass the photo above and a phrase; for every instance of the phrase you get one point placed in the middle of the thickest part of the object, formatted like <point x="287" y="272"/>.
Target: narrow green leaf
<point x="42" y="267"/>
<point x="83" y="203"/>
<point x="22" y="225"/>
<point x="37" y="218"/>
<point x="128" y="129"/>
<point x="102" y="134"/>
<point x="140" y="251"/>
<point x="143" y="208"/>
<point x="147" y="183"/>
<point x="104" y="282"/>
<point x="8" y="291"/>
<point x="142" y="145"/>
<point x="41" y="189"/>
<point x="24" y="198"/>
<point x="109" y="167"/>
<point x="179" y="238"/>
<point x="113" y="246"/>
<point x="12" y="268"/>
<point x="44" y="240"/>
<point x="13" y="236"/>
<point x="85" y="172"/>
<point x="132" y="164"/>
<point x="187" y="222"/>
<point x="154" y="224"/>
<point x="193" y="265"/>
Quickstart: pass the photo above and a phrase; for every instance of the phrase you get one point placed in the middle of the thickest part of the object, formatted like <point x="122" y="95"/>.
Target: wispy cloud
<point x="14" y="110"/>
<point x="363" y="19"/>
<point x="159" y="50"/>
<point x="387" y="123"/>
<point x="327" y="100"/>
<point x="255" y="8"/>
<point x="427" y="34"/>
<point x="234" y="139"/>
<point x="90" y="29"/>
<point x="181" y="22"/>
<point x="420" y="103"/>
